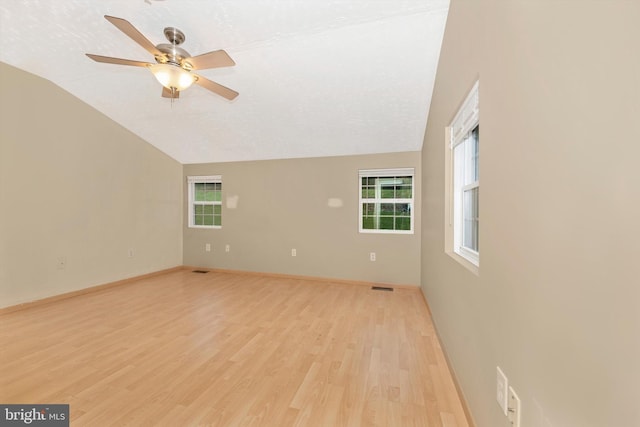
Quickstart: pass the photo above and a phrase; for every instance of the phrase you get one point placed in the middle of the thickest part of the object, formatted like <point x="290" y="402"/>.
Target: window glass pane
<point x="199" y="192"/>
<point x="470" y="219"/>
<point x="403" y="223"/>
<point x="208" y="209"/>
<point x="471" y="156"/>
<point x="197" y="209"/>
<point x="368" y="209"/>
<point x="367" y="223"/>
<point x="207" y="192"/>
<point x="217" y="220"/>
<point x="388" y="192"/>
<point x="368" y="193"/>
<point x="217" y="209"/>
<point x="386" y="223"/>
<point x="387" y="208"/>
<point x="403" y="209"/>
<point x="403" y="192"/>
<point x="208" y="219"/>
<point x="475" y="134"/>
<point x="197" y="220"/>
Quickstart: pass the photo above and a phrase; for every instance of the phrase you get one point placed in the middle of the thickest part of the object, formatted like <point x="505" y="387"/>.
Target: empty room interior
<point x="295" y="237"/>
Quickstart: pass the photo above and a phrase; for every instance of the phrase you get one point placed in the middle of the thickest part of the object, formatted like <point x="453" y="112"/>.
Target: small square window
<point x="205" y="201"/>
<point x="386" y="201"/>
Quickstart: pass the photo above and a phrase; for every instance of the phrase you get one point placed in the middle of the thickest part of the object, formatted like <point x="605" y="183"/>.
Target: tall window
<point x="465" y="143"/>
<point x="205" y="201"/>
<point x="386" y="201"/>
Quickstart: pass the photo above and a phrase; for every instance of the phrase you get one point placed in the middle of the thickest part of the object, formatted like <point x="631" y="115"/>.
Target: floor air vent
<point x="381" y="288"/>
<point x="200" y="271"/>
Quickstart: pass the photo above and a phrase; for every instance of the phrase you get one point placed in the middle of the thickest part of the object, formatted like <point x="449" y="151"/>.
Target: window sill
<point x="475" y="269"/>
<point x="386" y="231"/>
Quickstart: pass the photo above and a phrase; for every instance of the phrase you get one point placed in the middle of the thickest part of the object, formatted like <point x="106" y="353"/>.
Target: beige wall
<point x="283" y="204"/>
<point x="75" y="185"/>
<point x="556" y="303"/>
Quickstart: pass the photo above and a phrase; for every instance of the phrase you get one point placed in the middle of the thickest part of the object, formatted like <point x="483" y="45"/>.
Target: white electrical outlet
<point x="207" y="247"/>
<point x="372" y="256"/>
<point x="61" y="262"/>
<point x="501" y="389"/>
<point x="294" y="252"/>
<point x="227" y="248"/>
<point x="514" y="408"/>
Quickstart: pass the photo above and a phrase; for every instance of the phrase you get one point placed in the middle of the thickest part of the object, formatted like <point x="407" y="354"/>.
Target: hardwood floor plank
<point x="227" y="349"/>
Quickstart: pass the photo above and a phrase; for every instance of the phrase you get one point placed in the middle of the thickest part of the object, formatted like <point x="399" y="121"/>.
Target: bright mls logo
<point x="34" y="415"/>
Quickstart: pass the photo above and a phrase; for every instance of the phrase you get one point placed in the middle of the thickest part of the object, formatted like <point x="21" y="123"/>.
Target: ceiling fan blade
<point x="167" y="93"/>
<point x="215" y="59"/>
<point x="216" y="88"/>
<point x="119" y="61"/>
<point x="127" y="28"/>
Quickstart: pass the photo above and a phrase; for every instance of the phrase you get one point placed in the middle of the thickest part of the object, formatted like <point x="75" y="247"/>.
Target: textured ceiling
<point x="316" y="78"/>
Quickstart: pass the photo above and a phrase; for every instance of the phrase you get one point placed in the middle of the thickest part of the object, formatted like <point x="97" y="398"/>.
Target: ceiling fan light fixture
<point x="173" y="64"/>
<point x="172" y="76"/>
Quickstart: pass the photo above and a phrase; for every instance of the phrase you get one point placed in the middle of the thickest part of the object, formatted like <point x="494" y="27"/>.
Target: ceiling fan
<point x="174" y="65"/>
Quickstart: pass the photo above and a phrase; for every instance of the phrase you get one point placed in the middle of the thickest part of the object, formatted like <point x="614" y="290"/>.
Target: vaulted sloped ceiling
<point x="316" y="78"/>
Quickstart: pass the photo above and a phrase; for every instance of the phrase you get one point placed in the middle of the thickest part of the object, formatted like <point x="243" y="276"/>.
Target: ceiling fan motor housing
<point x="172" y="53"/>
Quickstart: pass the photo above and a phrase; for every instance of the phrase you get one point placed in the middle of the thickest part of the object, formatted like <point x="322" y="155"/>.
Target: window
<point x="465" y="198"/>
<point x="386" y="201"/>
<point x="205" y="201"/>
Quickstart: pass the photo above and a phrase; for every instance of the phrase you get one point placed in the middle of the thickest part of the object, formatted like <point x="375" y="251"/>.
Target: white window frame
<point x="191" y="182"/>
<point x="459" y="132"/>
<point x="388" y="173"/>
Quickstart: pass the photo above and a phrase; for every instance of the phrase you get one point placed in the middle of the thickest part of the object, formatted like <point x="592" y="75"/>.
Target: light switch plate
<point x="514" y="408"/>
<point x="501" y="389"/>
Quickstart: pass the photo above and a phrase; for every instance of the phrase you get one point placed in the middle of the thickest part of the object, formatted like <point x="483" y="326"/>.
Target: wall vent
<point x="200" y="271"/>
<point x="382" y="288"/>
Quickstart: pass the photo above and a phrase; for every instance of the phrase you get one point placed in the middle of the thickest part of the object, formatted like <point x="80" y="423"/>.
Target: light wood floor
<point x="221" y="349"/>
